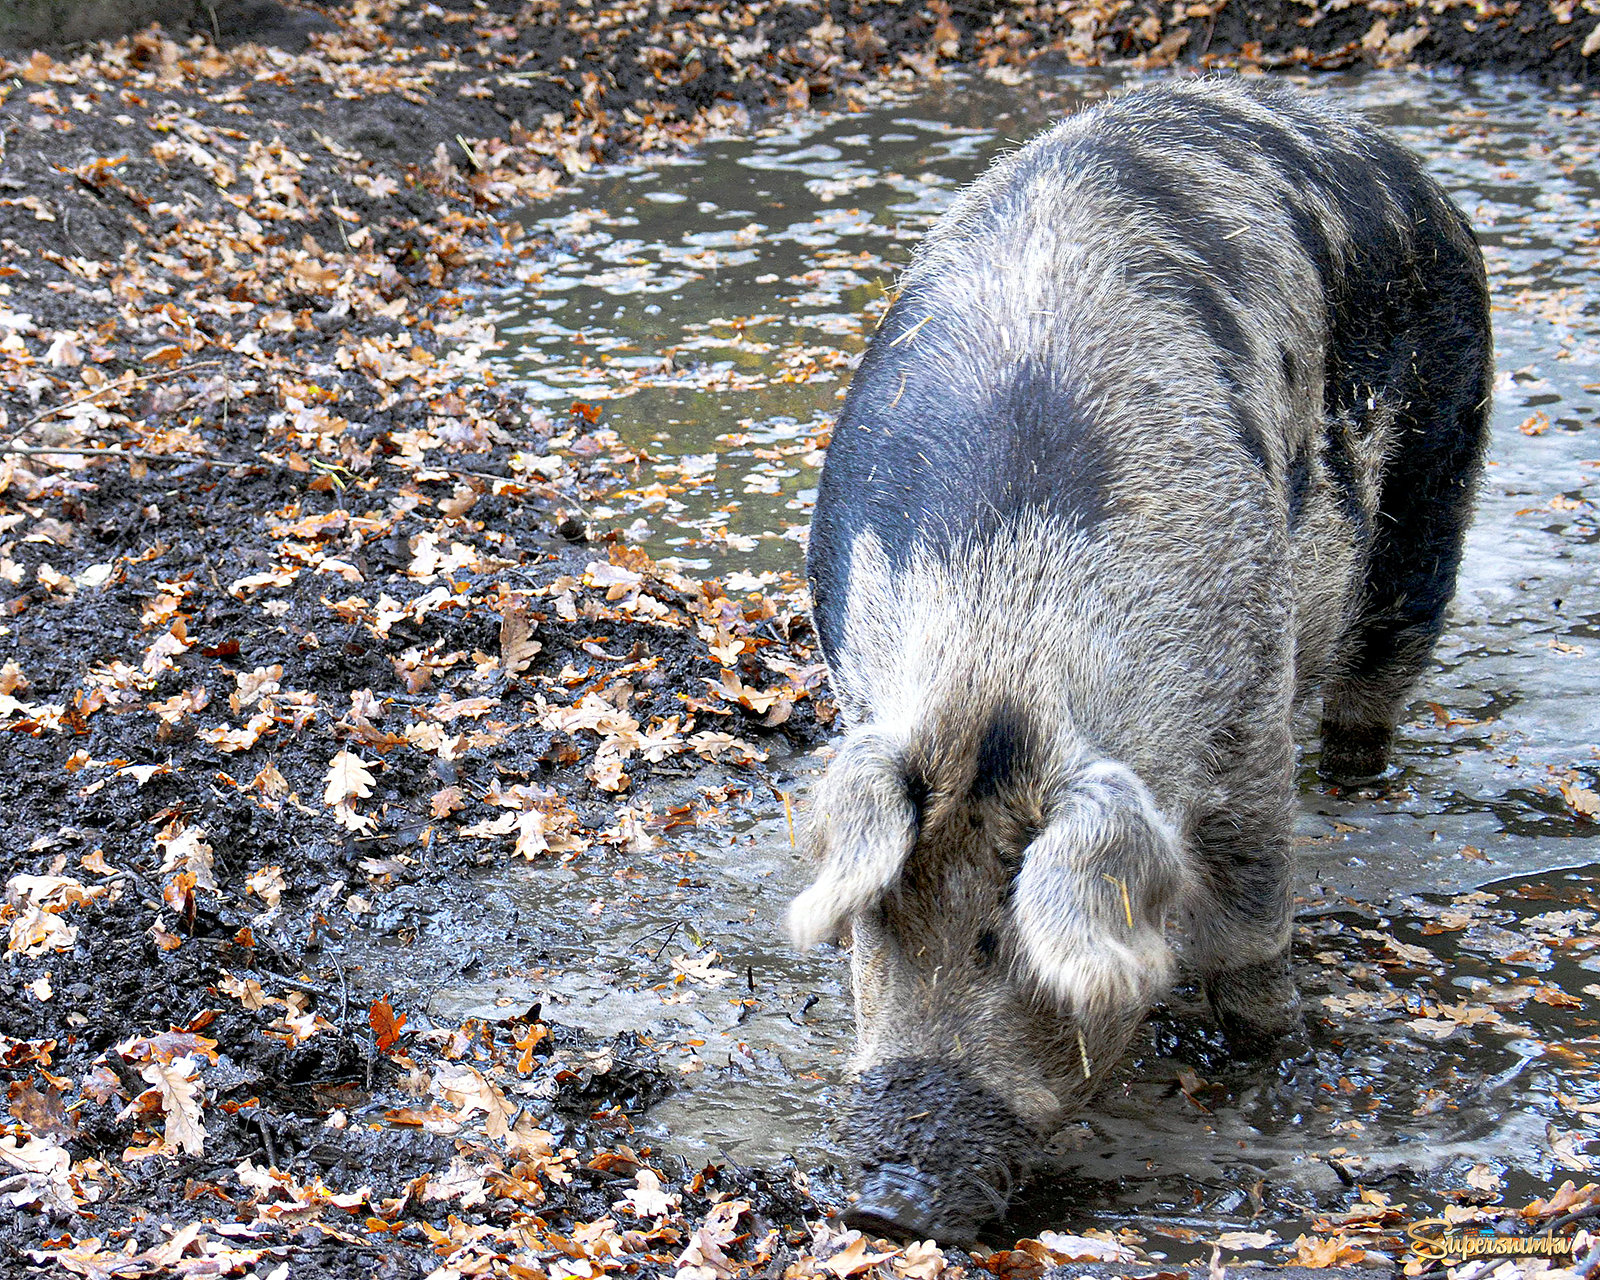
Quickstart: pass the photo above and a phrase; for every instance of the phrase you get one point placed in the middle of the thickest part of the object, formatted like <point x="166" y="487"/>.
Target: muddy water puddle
<point x="711" y="307"/>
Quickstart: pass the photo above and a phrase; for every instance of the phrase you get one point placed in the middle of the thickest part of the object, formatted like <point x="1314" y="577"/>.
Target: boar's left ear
<point x="1091" y="900"/>
<point x="863" y="824"/>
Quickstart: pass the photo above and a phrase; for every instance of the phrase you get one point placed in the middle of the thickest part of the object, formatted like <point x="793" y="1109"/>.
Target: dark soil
<point x="224" y="269"/>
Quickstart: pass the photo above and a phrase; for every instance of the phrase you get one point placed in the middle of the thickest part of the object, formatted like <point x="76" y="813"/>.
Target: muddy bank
<point x="779" y="50"/>
<point x="300" y="608"/>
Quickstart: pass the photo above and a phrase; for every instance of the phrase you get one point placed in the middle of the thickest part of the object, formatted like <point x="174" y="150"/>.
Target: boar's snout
<point x="936" y="1153"/>
<point x="898" y="1200"/>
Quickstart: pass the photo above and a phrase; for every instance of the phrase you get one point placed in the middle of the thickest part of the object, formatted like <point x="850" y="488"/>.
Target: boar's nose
<point x="937" y="1152"/>
<point x="899" y="1200"/>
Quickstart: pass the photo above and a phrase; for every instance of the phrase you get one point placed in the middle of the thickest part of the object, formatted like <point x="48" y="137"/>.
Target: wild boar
<point x="1176" y="421"/>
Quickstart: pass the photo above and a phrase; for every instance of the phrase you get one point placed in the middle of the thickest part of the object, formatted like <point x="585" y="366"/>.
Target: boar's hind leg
<point x="1439" y="370"/>
<point x="1242" y="922"/>
<point x="1411" y="577"/>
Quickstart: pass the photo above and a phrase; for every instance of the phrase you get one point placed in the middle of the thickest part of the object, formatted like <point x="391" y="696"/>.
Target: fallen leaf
<point x="385" y="1025"/>
<point x="517" y="646"/>
<point x="177" y="1094"/>
<point x="349" y="779"/>
<point x="648" y="1199"/>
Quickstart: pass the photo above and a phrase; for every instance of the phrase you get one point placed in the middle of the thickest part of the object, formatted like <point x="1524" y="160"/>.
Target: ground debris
<point x="304" y="607"/>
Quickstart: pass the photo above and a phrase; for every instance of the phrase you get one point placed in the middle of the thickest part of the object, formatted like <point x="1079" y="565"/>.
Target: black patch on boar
<point x="1341" y="467"/>
<point x="1298" y="480"/>
<point x="912" y="459"/>
<point x="1424" y="342"/>
<point x="1160" y="189"/>
<point x="1003" y="750"/>
<point x="1251" y="434"/>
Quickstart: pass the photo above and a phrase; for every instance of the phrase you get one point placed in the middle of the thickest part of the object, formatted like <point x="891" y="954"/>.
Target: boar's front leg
<point x="1242" y="919"/>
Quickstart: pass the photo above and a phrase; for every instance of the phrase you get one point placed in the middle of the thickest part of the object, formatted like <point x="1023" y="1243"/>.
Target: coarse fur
<point x="1176" y="419"/>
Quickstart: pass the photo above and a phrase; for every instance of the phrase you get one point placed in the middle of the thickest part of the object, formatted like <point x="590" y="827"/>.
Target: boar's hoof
<point x="1256" y="1006"/>
<point x="1353" y="754"/>
<point x="937" y="1153"/>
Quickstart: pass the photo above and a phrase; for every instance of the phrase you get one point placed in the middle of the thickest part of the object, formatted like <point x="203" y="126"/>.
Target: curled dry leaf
<point x="38" y="903"/>
<point x="1583" y="801"/>
<point x="704" y="1257"/>
<point x="468" y="1088"/>
<point x="267" y="884"/>
<point x="854" y="1258"/>
<point x="184" y="849"/>
<point x="446" y="801"/>
<point x="1326" y="1251"/>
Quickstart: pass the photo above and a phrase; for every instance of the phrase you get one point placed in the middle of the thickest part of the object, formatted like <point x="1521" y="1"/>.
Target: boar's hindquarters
<point x="1426" y="343"/>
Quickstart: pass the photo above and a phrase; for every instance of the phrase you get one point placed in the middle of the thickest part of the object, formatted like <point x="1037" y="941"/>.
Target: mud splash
<point x="712" y="307"/>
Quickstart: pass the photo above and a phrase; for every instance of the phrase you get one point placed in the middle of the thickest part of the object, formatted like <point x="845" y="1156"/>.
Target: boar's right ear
<point x="863" y="824"/>
<point x="1091" y="900"/>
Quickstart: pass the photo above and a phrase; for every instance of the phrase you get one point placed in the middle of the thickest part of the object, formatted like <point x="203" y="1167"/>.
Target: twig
<point x="139" y="881"/>
<point x="1591" y="1210"/>
<point x="344" y="994"/>
<point x="295" y="984"/>
<point x="670" y="936"/>
<point x="122" y="384"/>
<point x="266" y="1139"/>
<point x="1341" y="1171"/>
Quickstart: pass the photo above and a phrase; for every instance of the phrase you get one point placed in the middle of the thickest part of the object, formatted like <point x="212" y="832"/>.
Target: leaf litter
<point x="281" y="557"/>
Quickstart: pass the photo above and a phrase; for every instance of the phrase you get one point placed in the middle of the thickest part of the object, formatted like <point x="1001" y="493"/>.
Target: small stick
<point x="295" y="984"/>
<point x="1577" y="1215"/>
<point x="121" y="384"/>
<point x="266" y="1139"/>
<point x="1127" y="903"/>
<point x="912" y="331"/>
<point x="670" y="936"/>
<point x="344" y="994"/>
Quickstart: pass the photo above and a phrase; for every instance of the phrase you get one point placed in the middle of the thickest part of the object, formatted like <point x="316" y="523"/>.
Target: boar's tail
<point x="1091" y="899"/>
<point x="863" y="825"/>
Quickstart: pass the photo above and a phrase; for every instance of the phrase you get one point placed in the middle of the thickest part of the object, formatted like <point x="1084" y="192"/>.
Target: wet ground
<point x="1448" y="937"/>
<point x="276" y="551"/>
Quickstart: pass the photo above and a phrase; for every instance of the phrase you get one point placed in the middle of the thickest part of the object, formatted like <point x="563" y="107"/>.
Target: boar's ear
<point x="863" y="824"/>
<point x="1092" y="896"/>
